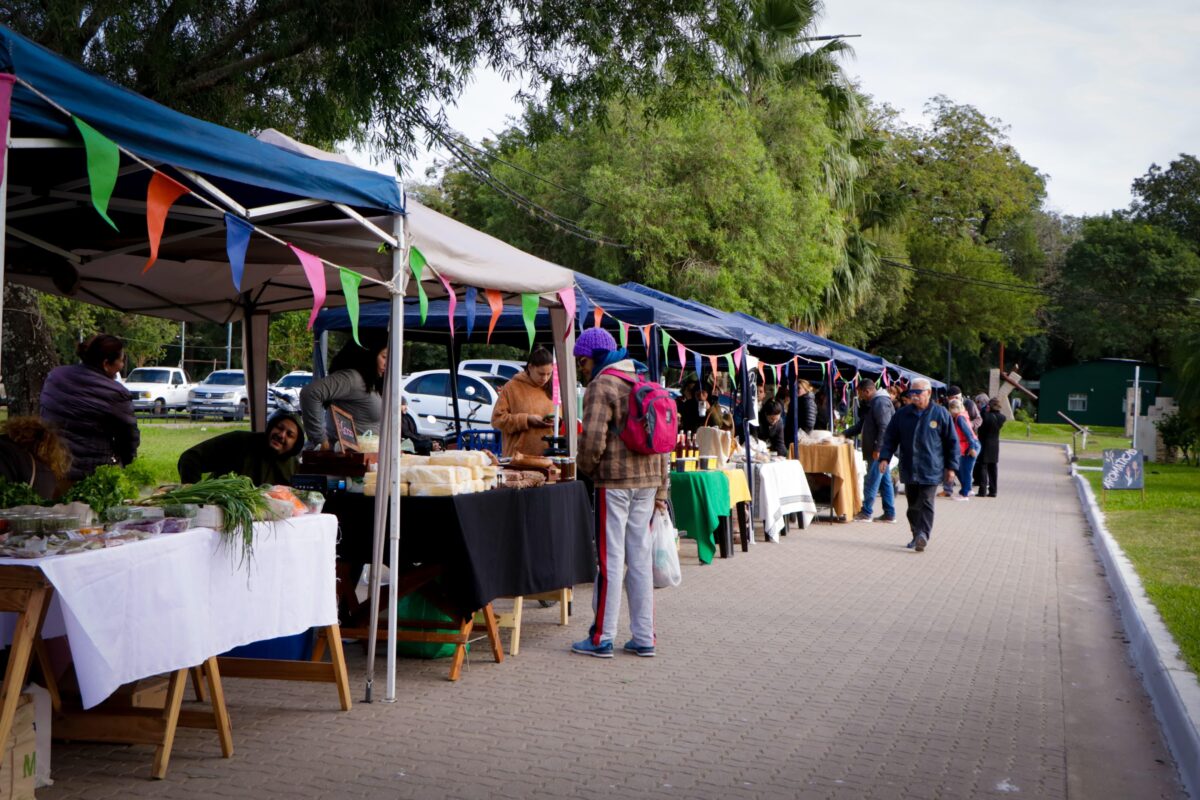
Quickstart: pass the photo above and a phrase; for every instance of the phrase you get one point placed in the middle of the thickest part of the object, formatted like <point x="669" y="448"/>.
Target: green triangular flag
<point x="103" y="161"/>
<point x="351" y="280"/>
<point x="666" y="343"/>
<point x="416" y="262"/>
<point x="529" y="308"/>
<point x="729" y="359"/>
<point x="624" y="329"/>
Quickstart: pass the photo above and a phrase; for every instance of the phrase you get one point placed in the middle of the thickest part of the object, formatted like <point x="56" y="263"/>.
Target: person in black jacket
<point x="989" y="453"/>
<point x="268" y="457"/>
<point x="422" y="445"/>
<point x="90" y="410"/>
<point x="807" y="408"/>
<point x="875" y="411"/>
<point x="772" y="434"/>
<point x="692" y="406"/>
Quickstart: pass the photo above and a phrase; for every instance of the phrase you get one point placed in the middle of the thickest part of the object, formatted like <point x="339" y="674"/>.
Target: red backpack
<point x="652" y="424"/>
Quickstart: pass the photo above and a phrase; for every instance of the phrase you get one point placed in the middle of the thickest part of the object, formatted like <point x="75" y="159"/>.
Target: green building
<point x="1093" y="393"/>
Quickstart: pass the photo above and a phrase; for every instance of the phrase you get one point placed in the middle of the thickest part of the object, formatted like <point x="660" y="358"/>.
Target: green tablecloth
<point x="700" y="499"/>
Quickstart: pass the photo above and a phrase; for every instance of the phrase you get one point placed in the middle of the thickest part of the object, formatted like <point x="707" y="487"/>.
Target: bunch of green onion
<point x="238" y="498"/>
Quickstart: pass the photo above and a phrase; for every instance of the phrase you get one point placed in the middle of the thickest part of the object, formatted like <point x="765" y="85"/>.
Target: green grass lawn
<point x="163" y="442"/>
<point x="1102" y="438"/>
<point x="1161" y="536"/>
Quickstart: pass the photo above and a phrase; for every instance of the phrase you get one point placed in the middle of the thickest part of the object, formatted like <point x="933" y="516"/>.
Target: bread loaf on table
<point x="524" y="461"/>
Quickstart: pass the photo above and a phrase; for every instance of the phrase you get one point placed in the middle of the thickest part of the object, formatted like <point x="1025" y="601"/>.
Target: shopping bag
<point x="666" y="551"/>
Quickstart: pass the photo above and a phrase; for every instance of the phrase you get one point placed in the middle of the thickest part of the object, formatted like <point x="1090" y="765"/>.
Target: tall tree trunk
<point x="29" y="352"/>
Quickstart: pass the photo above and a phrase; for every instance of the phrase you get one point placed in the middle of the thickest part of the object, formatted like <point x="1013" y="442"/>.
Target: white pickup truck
<point x="158" y="388"/>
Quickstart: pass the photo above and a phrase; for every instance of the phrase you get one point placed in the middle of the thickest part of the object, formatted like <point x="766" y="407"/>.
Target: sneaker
<point x="944" y="493"/>
<point x="911" y="544"/>
<point x="891" y="518"/>
<point x="921" y="542"/>
<point x="645" y="651"/>
<point x="585" y="648"/>
<point x="958" y="498"/>
<point x="862" y="516"/>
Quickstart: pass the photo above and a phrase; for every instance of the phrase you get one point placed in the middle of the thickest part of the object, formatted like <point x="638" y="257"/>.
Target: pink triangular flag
<point x="567" y="296"/>
<point x="680" y="349"/>
<point x="314" y="270"/>
<point x="450" y="296"/>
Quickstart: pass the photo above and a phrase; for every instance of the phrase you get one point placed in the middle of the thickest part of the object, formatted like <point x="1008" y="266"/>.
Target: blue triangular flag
<point x="469" y="303"/>
<point x="699" y="367"/>
<point x="582" y="309"/>
<point x="237" y="239"/>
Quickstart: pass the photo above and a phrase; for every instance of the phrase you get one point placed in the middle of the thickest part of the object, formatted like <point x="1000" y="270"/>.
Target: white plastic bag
<point x="666" y="551"/>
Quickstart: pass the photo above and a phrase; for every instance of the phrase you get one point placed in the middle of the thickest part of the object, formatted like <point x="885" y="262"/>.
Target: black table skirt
<point x="499" y="543"/>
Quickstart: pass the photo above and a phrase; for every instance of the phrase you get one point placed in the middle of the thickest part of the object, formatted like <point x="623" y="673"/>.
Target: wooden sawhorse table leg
<point x="26" y="591"/>
<point x="332" y="671"/>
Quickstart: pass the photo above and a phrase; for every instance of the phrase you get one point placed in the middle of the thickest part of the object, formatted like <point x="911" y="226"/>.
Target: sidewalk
<point x="833" y="664"/>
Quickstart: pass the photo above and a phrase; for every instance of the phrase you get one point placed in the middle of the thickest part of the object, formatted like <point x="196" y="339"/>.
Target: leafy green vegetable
<point x="106" y="487"/>
<point x="18" y="494"/>
<point x="238" y="498"/>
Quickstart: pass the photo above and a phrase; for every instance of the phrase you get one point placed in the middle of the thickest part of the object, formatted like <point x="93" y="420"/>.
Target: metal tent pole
<point x="395" y="348"/>
<point x="3" y="221"/>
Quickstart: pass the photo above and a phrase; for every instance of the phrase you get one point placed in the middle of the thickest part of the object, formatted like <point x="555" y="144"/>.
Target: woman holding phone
<point x="524" y="413"/>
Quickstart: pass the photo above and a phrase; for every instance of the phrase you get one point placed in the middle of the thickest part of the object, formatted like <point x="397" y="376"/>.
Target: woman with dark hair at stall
<point x="354" y="384"/>
<point x="33" y="454"/>
<point x="90" y="410"/>
<point x="524" y="413"/>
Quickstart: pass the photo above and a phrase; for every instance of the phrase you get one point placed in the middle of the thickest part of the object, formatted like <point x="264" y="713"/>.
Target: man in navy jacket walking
<point x="923" y="433"/>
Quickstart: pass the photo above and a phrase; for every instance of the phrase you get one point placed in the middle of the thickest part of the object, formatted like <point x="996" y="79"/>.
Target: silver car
<point x="222" y="394"/>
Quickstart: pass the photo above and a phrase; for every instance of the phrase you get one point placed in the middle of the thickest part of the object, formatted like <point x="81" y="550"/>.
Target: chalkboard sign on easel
<point x="343" y="425"/>
<point x="1123" y="469"/>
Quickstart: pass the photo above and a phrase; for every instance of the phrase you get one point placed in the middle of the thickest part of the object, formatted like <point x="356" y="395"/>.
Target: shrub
<point x="1180" y="432"/>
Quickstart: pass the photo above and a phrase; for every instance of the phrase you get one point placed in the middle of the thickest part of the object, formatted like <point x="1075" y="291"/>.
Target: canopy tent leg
<point x="564" y="346"/>
<point x="452" y="355"/>
<point x="794" y="386"/>
<point x="255" y="330"/>
<point x="3" y="223"/>
<point x="747" y="411"/>
<point x="395" y="347"/>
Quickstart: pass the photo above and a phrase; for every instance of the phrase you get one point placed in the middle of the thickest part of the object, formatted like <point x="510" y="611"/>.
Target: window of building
<point x="1077" y="402"/>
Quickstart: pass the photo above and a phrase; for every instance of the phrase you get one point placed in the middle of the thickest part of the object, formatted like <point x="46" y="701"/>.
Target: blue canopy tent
<point x="53" y="239"/>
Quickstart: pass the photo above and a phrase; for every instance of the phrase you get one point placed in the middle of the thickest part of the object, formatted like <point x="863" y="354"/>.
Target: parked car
<point x="492" y="366"/>
<point x="428" y="396"/>
<point x="286" y="391"/>
<point x="158" y="388"/>
<point x="222" y="394"/>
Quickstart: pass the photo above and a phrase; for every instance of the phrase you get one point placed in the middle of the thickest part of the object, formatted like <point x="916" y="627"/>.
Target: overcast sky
<point x="1093" y="91"/>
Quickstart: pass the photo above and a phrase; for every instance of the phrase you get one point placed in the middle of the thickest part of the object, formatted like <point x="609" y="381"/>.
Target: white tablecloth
<point x="174" y="600"/>
<point x="780" y="488"/>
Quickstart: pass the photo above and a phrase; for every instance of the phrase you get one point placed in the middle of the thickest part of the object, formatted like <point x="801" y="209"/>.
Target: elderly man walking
<point x="923" y="434"/>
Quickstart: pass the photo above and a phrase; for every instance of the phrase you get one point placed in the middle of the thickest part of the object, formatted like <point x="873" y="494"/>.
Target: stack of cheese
<point x="448" y="473"/>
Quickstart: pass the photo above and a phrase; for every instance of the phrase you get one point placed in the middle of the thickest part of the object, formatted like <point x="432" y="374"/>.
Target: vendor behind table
<point x="90" y="409"/>
<point x="354" y="384"/>
<point x="524" y="412"/>
<point x="33" y="454"/>
<point x="268" y="457"/>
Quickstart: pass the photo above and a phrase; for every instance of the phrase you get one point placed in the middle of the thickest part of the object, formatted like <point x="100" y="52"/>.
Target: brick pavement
<point x="833" y="664"/>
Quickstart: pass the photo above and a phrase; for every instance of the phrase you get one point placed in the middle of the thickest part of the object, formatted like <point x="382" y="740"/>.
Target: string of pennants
<point x="103" y="166"/>
<point x="733" y="359"/>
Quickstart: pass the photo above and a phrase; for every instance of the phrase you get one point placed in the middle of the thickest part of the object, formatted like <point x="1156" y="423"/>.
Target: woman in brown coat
<point x="524" y="413"/>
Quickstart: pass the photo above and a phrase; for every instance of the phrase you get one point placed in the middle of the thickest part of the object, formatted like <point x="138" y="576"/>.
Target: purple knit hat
<point x="594" y="339"/>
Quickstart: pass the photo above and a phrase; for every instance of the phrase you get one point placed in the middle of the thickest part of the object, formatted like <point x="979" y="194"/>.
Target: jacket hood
<point x="278" y="417"/>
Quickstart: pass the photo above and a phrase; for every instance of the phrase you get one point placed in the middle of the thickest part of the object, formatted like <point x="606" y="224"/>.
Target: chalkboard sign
<point x="1123" y="469"/>
<point x="343" y="425"/>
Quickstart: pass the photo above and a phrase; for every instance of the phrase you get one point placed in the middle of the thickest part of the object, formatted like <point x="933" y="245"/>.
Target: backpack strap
<point x="616" y="373"/>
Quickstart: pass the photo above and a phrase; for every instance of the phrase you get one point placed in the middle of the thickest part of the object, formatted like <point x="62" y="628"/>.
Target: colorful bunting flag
<point x="666" y="345"/>
<point x="351" y="280"/>
<point x="762" y="378"/>
<point x="529" y="309"/>
<point x="778" y="374"/>
<point x="314" y="270"/>
<point x="646" y="339"/>
<point x="6" y="88"/>
<point x="469" y="298"/>
<point x="623" y="333"/>
<point x="712" y="363"/>
<point x="555" y="391"/>
<point x="698" y="363"/>
<point x="582" y="311"/>
<point x="796" y="366"/>
<point x="496" y="303"/>
<point x="451" y="299"/>
<point x="597" y="315"/>
<point x="887" y="379"/>
<point x="679" y="351"/>
<point x="161" y="194"/>
<point x="567" y="298"/>
<point x="729" y="361"/>
<point x="103" y="162"/>
<point x="237" y="238"/>
<point x="416" y="262"/>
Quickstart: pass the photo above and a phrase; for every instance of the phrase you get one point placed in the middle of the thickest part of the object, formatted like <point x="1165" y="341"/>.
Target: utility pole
<point x="182" y="335"/>
<point x="228" y="345"/>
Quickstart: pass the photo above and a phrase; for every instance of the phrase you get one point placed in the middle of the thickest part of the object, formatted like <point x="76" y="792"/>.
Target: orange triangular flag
<point x="712" y="362"/>
<point x="161" y="194"/>
<point x="496" y="302"/>
<point x="597" y="314"/>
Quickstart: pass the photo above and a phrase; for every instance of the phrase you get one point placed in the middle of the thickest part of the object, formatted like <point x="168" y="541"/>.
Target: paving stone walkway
<point x="834" y="664"/>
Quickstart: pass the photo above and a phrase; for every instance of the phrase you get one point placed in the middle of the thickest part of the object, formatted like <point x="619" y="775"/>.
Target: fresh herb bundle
<point x="108" y="486"/>
<point x="238" y="498"/>
<point x="18" y="494"/>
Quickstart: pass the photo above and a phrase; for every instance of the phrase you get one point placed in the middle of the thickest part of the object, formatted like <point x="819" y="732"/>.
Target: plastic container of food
<point x="146" y="526"/>
<point x="175" y="524"/>
<point x="186" y="510"/>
